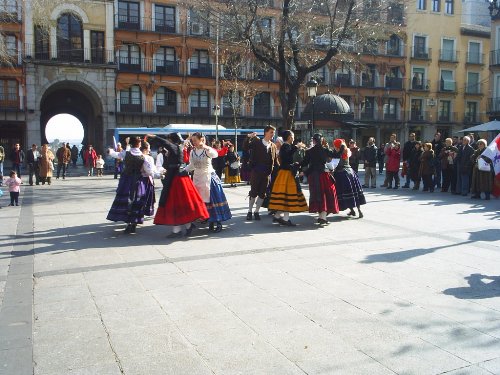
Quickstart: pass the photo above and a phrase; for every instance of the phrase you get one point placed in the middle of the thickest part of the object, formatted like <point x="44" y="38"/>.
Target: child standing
<point x="14" y="184"/>
<point x="393" y="162"/>
<point x="99" y="164"/>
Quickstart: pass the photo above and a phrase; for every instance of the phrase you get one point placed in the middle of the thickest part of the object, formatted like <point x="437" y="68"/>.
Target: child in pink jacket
<point x="14" y="184"/>
<point x="393" y="162"/>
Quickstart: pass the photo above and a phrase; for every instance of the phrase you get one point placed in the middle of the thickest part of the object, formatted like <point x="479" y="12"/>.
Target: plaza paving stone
<point x="412" y="288"/>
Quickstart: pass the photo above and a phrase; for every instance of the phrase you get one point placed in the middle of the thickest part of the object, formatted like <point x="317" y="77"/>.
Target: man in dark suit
<point x="32" y="159"/>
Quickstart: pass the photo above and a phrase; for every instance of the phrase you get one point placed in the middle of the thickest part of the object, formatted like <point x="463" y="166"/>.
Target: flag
<point x="115" y="146"/>
<point x="493" y="153"/>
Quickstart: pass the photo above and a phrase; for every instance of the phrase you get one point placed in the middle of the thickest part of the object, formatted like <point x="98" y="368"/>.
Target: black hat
<point x="175" y="138"/>
<point x="317" y="137"/>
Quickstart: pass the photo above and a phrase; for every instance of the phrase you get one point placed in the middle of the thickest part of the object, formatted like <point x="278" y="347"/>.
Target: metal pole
<point x="312" y="117"/>
<point x="217" y="84"/>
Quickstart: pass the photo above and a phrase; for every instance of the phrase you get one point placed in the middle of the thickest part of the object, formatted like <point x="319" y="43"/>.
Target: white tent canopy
<point x="486" y="127"/>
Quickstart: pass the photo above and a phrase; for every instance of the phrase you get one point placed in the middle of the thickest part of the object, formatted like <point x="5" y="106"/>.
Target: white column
<point x="53" y="42"/>
<point x="86" y="45"/>
<point x="109" y="37"/>
<point x="28" y="30"/>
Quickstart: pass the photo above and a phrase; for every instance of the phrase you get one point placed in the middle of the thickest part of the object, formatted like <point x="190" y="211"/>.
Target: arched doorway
<point x="79" y="100"/>
<point x="64" y="128"/>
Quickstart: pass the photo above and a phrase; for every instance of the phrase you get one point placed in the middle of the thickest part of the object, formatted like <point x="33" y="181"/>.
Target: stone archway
<point x="77" y="99"/>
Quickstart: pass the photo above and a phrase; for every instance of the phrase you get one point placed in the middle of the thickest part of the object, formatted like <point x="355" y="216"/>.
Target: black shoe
<point x="132" y="228"/>
<point x="396" y="187"/>
<point x="218" y="228"/>
<point x="276" y="220"/>
<point x="189" y="230"/>
<point x="175" y="235"/>
<point x="374" y="187"/>
<point x="360" y="215"/>
<point x="287" y="223"/>
<point x="351" y="213"/>
<point x="475" y="196"/>
<point x="249" y="216"/>
<point x="11" y="204"/>
<point x="364" y="186"/>
<point x="17" y="204"/>
<point x="128" y="229"/>
<point x="211" y="226"/>
<point x="256" y="216"/>
<point x="405" y="186"/>
<point x="322" y="222"/>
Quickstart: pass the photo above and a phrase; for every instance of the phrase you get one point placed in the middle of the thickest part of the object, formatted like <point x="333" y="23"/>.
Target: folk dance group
<point x="273" y="183"/>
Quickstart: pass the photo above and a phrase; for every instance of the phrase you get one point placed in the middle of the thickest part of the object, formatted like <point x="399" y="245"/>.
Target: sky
<point x="66" y="128"/>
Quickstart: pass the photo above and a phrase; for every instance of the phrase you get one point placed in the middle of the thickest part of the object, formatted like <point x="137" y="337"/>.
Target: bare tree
<point x="237" y="88"/>
<point x="299" y="37"/>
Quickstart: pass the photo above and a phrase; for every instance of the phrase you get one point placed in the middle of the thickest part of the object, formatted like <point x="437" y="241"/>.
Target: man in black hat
<point x="263" y="159"/>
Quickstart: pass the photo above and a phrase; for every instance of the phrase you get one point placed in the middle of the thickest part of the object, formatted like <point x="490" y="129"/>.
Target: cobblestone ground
<point x="412" y="288"/>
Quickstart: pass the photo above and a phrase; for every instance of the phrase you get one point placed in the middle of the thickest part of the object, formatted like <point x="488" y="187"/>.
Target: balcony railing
<point x="447" y="85"/>
<point x="446" y="117"/>
<point x="200" y="69"/>
<point x="262" y="111"/>
<point x="394" y="83"/>
<point x="96" y="56"/>
<point x="135" y="23"/>
<point x="344" y="80"/>
<point x="132" y="105"/>
<point x="162" y="106"/>
<point x="264" y="75"/>
<point x="493" y="105"/>
<point x="201" y="111"/>
<point x="166" y="67"/>
<point x="421" y="53"/>
<point x="370" y="83"/>
<point x="475" y="58"/>
<point x="475" y="89"/>
<point x="471" y="118"/>
<point x="448" y="55"/>
<point x="418" y="116"/>
<point x="132" y="64"/>
<point x="10" y="14"/>
<point x="416" y="84"/>
<point x="9" y="103"/>
<point x="495" y="57"/>
<point x="367" y="114"/>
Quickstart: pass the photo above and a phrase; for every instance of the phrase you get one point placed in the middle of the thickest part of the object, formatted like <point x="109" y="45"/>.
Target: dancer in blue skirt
<point x="208" y="183"/>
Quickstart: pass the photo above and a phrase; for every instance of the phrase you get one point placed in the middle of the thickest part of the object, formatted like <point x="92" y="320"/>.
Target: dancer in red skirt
<point x="180" y="203"/>
<point x="322" y="194"/>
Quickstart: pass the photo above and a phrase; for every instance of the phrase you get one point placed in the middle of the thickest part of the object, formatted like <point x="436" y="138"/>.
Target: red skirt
<point x="183" y="204"/>
<point x="322" y="193"/>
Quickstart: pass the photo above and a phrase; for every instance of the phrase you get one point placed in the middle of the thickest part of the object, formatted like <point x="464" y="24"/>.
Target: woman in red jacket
<point x="393" y="154"/>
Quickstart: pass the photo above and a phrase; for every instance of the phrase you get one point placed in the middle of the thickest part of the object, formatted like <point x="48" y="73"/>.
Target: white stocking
<point x="251" y="202"/>
<point x="286" y="216"/>
<point x="176" y="229"/>
<point x="322" y="215"/>
<point x="258" y="204"/>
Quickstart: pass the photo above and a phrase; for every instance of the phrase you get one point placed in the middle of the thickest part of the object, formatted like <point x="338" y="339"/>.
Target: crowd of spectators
<point x="453" y="165"/>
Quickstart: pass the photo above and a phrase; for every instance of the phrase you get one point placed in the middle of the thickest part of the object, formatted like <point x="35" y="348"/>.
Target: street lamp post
<point x="216" y="109"/>
<point x="312" y="89"/>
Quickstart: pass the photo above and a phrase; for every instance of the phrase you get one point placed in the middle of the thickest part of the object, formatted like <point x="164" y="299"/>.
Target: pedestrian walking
<point x="99" y="165"/>
<point x="89" y="158"/>
<point x="427" y="167"/>
<point x="46" y="164"/>
<point x="32" y="158"/>
<point x="393" y="163"/>
<point x="17" y="158"/>
<point x="370" y="163"/>
<point x="14" y="185"/>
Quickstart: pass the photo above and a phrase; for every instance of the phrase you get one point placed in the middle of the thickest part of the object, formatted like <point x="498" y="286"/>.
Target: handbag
<point x="51" y="165"/>
<point x="234" y="165"/>
<point x="482" y="165"/>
